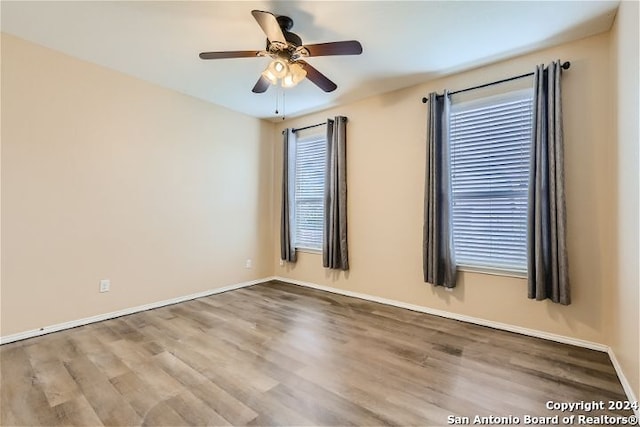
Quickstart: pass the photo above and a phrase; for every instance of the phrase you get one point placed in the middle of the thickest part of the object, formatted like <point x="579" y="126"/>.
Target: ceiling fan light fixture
<point x="295" y="75"/>
<point x="298" y="72"/>
<point x="287" y="54"/>
<point x="278" y="68"/>
<point x="287" y="81"/>
<point x="267" y="74"/>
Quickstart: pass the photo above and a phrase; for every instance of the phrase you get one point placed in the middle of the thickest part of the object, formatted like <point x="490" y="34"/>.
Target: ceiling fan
<point x="288" y="54"/>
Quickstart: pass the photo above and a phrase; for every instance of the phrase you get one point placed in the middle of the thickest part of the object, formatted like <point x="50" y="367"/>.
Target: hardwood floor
<point x="279" y="354"/>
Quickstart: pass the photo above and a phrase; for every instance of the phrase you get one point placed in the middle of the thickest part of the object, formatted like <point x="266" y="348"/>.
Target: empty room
<point x="319" y="213"/>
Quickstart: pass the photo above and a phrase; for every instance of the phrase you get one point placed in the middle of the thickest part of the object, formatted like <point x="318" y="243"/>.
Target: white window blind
<point x="310" y="157"/>
<point x="490" y="151"/>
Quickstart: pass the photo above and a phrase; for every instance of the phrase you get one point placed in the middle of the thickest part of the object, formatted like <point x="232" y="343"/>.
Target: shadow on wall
<point x="369" y="86"/>
<point x="265" y="194"/>
<point x="334" y="275"/>
<point x="448" y="295"/>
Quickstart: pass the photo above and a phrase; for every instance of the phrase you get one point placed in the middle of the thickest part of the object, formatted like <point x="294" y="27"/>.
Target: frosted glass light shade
<point x="287" y="81"/>
<point x="267" y="74"/>
<point x="278" y="68"/>
<point x="298" y="72"/>
<point x="294" y="76"/>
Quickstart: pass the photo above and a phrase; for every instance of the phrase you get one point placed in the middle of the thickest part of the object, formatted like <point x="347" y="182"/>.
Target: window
<point x="490" y="151"/>
<point x="310" y="158"/>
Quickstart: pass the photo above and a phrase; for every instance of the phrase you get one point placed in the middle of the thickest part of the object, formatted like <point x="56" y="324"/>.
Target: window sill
<point x="492" y="271"/>
<point x="310" y="251"/>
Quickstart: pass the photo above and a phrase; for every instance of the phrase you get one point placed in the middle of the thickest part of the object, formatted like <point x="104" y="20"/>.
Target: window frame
<point x="315" y="137"/>
<point x="485" y="101"/>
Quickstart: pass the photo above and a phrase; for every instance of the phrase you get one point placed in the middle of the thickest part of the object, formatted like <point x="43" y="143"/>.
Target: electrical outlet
<point x="249" y="263"/>
<point x="281" y="263"/>
<point x="105" y="285"/>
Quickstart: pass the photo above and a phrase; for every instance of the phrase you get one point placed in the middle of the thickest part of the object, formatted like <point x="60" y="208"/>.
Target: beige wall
<point x="106" y="176"/>
<point x="625" y="332"/>
<point x="386" y="162"/>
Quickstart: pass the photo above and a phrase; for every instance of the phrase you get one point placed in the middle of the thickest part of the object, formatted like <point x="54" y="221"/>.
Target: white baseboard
<point x="482" y="322"/>
<point x="631" y="397"/>
<point x="441" y="313"/>
<point x="80" y="322"/>
<point x="449" y="315"/>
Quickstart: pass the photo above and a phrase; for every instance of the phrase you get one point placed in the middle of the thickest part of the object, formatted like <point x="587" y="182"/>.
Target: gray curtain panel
<point x="287" y="249"/>
<point x="335" y="252"/>
<point x="548" y="273"/>
<point x="439" y="265"/>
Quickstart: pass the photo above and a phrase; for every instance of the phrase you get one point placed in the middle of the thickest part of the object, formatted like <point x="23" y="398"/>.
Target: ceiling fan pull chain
<point x="276" y="100"/>
<point x="284" y="105"/>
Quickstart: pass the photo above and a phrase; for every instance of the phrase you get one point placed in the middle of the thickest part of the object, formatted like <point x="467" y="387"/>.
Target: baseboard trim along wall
<point x="482" y="322"/>
<point x="441" y="313"/>
<point x="631" y="396"/>
<point x="106" y="316"/>
<point x="422" y="309"/>
<point x="418" y="308"/>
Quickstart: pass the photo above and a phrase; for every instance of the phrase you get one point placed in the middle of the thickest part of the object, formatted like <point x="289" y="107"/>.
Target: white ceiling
<point x="404" y="42"/>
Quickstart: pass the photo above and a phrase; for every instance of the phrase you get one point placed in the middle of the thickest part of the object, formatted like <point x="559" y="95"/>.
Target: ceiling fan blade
<point x="350" y="47"/>
<point x="261" y="85"/>
<point x="229" y="54"/>
<point x="318" y="78"/>
<point x="269" y="25"/>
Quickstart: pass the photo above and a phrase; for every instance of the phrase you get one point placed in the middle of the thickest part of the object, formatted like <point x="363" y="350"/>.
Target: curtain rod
<point x="565" y="66"/>
<point x="308" y="127"/>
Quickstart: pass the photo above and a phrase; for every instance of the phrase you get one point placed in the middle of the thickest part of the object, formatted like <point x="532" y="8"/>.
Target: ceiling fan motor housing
<point x="286" y="24"/>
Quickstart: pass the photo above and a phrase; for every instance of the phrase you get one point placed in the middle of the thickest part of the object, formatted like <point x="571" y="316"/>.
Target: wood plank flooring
<point x="279" y="354"/>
